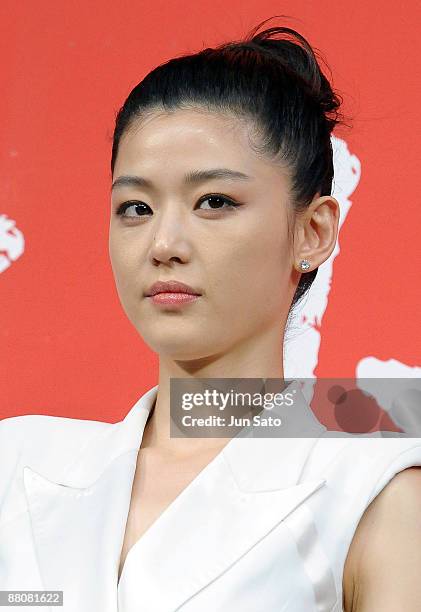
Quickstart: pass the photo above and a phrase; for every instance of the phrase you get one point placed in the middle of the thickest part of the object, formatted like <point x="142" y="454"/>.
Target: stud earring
<point x="304" y="264"/>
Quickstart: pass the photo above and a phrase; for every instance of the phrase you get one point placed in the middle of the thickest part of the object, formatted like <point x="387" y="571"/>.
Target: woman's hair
<point x="271" y="78"/>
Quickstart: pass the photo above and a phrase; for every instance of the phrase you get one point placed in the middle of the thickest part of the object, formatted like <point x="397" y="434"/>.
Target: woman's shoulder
<point x="32" y="432"/>
<point x="29" y="432"/>
<point x="45" y="423"/>
<point x="368" y="458"/>
<point x="356" y="470"/>
<point x="45" y="443"/>
<point x="387" y="541"/>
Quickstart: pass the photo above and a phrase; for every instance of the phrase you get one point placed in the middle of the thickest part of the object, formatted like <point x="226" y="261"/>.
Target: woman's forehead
<point x="191" y="139"/>
<point x="164" y="129"/>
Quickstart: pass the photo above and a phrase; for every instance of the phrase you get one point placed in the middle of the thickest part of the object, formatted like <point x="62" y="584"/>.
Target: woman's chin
<point x="184" y="349"/>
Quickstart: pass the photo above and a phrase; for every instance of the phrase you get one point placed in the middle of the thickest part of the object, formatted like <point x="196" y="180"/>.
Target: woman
<point x="221" y="214"/>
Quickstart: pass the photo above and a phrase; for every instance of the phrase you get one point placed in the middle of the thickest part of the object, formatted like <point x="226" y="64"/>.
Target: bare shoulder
<point x="383" y="565"/>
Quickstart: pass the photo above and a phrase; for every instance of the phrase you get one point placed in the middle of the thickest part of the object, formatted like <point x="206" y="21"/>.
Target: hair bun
<point x="299" y="59"/>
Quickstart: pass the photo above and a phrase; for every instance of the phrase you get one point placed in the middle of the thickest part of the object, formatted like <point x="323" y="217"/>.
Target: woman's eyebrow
<point x="191" y="178"/>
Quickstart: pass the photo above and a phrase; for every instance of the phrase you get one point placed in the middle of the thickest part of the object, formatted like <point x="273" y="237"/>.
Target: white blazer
<point x="266" y="526"/>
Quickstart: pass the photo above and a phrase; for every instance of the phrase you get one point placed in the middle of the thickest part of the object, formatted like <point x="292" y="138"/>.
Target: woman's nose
<point x="170" y="243"/>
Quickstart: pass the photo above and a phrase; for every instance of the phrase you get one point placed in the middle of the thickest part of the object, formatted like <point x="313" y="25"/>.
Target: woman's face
<point x="238" y="258"/>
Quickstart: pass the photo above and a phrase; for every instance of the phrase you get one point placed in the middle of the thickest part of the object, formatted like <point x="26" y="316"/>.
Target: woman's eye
<point x="216" y="201"/>
<point x="137" y="209"/>
<point x="134" y="208"/>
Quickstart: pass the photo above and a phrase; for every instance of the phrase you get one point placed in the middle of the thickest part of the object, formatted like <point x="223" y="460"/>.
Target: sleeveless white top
<point x="286" y="542"/>
<point x="266" y="525"/>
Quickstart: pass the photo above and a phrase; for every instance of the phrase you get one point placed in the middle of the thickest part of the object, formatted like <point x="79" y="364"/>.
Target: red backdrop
<point x="66" y="346"/>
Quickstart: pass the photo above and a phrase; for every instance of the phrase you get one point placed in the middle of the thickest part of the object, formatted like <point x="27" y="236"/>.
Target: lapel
<point x="79" y="522"/>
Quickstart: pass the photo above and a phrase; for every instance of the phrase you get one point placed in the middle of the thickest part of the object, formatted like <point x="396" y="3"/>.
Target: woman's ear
<point x="315" y="232"/>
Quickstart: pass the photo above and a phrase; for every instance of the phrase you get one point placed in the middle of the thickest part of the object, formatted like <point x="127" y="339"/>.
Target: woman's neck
<point x="262" y="361"/>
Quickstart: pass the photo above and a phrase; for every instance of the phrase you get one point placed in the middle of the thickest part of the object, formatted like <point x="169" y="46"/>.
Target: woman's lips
<point x="175" y="299"/>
